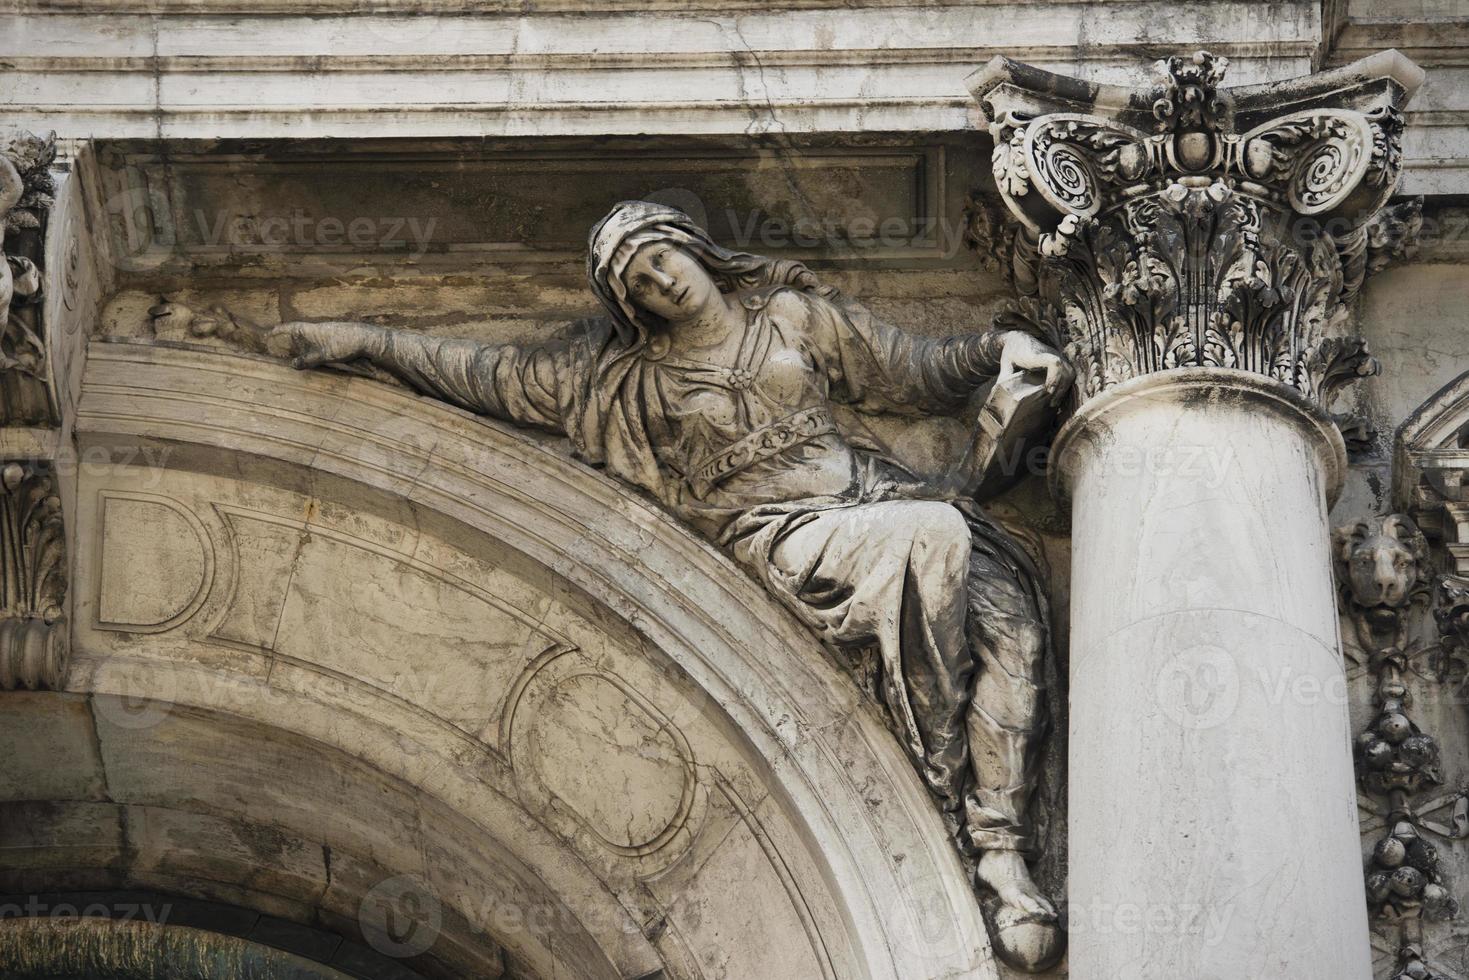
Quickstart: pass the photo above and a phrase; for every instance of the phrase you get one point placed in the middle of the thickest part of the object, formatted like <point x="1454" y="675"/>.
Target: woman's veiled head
<point x="614" y="247"/>
<point x="666" y="280"/>
<point x="636" y="236"/>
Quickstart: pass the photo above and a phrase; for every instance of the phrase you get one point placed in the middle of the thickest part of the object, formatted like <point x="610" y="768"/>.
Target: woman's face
<point x="665" y="280"/>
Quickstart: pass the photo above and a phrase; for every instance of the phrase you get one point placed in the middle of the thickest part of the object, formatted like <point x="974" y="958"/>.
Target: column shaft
<point x="1213" y="821"/>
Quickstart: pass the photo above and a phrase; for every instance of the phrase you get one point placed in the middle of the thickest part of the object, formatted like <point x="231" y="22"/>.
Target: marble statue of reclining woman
<point x="709" y="384"/>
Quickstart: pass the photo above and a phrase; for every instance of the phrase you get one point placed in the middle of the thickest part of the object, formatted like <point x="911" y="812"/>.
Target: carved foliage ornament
<point x="33" y="634"/>
<point x="1196" y="244"/>
<point x="1412" y="966"/>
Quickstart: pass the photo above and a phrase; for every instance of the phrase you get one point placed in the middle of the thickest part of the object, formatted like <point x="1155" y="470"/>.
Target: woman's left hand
<point x="1022" y="352"/>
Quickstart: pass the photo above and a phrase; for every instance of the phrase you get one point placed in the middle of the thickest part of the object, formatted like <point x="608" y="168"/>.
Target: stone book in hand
<point x="1015" y="412"/>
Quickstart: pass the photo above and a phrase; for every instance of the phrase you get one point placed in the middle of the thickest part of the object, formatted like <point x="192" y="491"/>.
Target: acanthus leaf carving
<point x="33" y="579"/>
<point x="1198" y="245"/>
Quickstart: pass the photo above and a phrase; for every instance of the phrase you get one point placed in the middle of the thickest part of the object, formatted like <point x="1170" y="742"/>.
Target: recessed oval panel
<point x="595" y="747"/>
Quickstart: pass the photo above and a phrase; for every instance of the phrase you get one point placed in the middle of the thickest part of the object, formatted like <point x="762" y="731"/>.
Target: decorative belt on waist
<point x="761" y="444"/>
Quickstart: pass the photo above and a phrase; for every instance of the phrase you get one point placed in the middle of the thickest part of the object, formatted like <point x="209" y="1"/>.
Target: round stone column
<point x="1212" y="807"/>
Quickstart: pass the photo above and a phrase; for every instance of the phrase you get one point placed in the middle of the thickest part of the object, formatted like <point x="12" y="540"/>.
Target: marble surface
<point x="1213" y="809"/>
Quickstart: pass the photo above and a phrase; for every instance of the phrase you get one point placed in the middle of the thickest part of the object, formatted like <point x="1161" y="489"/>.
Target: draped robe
<point x="870" y="557"/>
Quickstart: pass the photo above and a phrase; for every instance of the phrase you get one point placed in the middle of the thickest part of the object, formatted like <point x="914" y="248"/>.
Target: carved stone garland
<point x="1412" y="966"/>
<point x="1429" y="466"/>
<point x="1232" y="235"/>
<point x="33" y="569"/>
<point x="1383" y="567"/>
<point x="1383" y="570"/>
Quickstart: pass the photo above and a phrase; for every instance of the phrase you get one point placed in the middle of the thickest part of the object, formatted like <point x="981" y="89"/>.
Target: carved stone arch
<point x="576" y="699"/>
<point x="1430" y="465"/>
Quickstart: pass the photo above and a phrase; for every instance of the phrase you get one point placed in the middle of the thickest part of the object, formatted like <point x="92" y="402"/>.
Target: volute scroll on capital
<point x="1313" y="146"/>
<point x="1194" y="226"/>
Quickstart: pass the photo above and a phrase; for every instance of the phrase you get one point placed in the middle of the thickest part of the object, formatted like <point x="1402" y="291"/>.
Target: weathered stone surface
<point x="63" y="766"/>
<point x="1206" y="491"/>
<point x="337" y="631"/>
<point x="578" y="67"/>
<point x="396" y="623"/>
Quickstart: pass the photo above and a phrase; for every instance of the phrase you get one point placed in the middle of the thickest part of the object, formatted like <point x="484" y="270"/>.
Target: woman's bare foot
<point x="1026" y="930"/>
<point x="1007" y="874"/>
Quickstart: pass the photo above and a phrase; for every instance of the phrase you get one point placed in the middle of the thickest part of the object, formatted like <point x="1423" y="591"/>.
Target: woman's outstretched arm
<point x="526" y="385"/>
<point x="892" y="370"/>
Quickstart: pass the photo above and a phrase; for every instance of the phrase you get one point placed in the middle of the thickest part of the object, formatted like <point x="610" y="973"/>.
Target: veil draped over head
<point x="633" y="224"/>
<point x="616" y="403"/>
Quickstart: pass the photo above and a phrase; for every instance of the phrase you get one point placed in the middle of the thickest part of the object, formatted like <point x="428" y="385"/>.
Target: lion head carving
<point x="1381" y="562"/>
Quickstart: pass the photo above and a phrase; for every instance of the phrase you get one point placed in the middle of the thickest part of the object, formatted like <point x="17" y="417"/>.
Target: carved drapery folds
<point x="26" y="191"/>
<point x="33" y="578"/>
<point x="1198" y="227"/>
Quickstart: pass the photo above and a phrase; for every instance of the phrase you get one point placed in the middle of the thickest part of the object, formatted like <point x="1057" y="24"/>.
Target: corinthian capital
<point x="1195" y="226"/>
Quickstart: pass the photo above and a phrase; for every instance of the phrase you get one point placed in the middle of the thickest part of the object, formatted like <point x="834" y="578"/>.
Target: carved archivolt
<point x="791" y="789"/>
<point x="1209" y="231"/>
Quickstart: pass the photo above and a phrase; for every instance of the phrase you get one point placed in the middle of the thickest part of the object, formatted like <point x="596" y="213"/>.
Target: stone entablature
<point x="578" y="66"/>
<point x="491" y="67"/>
